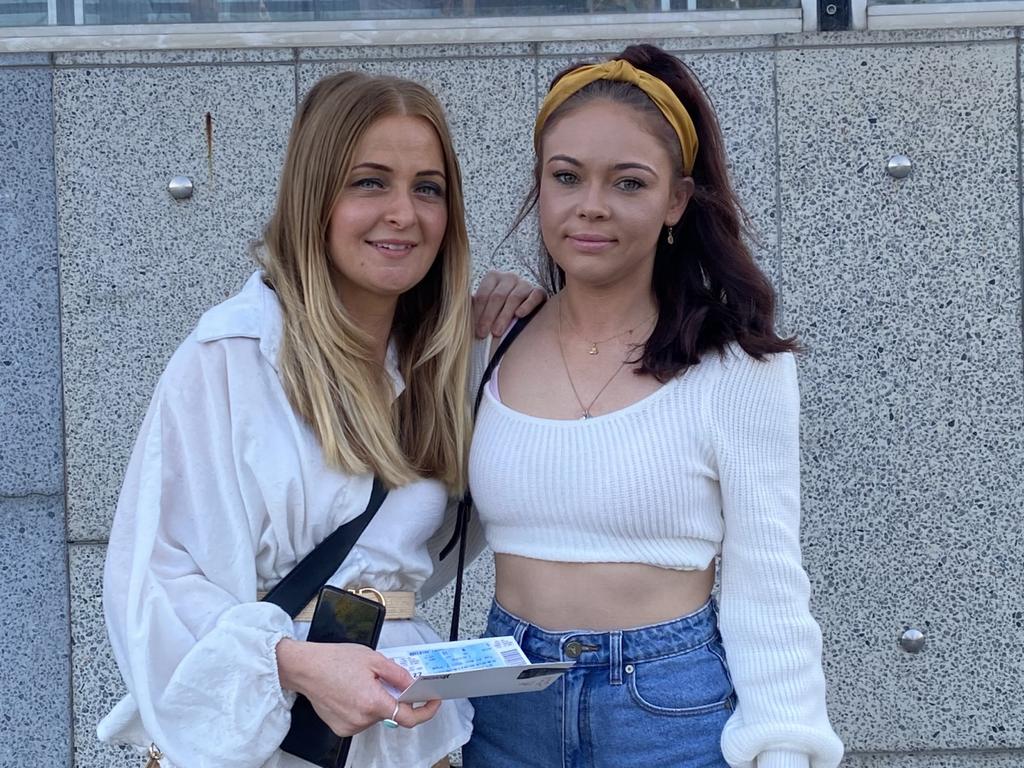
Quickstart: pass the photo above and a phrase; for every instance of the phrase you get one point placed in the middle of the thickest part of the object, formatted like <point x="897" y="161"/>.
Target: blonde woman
<point x="346" y="356"/>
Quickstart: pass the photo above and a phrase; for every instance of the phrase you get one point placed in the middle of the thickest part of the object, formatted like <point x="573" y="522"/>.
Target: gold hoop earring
<point x="669" y="239"/>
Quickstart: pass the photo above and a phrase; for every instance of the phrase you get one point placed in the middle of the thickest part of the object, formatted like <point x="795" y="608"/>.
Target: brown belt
<point x="398" y="605"/>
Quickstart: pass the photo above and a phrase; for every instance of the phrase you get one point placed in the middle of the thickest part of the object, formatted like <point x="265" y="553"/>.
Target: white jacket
<point x="225" y="492"/>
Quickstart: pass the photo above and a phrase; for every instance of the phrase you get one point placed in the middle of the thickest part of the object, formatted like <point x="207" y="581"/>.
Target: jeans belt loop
<point x="519" y="632"/>
<point x="615" y="657"/>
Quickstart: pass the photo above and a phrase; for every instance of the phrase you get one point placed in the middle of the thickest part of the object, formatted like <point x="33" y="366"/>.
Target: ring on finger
<point x="391" y="722"/>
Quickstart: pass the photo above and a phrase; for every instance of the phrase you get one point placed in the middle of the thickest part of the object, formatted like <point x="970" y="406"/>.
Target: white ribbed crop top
<point x="708" y="463"/>
<point x="641" y="484"/>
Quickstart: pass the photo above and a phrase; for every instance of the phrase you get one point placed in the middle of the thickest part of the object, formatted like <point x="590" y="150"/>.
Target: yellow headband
<point x="618" y="69"/>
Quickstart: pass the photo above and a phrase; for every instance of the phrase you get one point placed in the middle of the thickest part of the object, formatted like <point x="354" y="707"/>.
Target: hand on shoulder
<point x="501" y="297"/>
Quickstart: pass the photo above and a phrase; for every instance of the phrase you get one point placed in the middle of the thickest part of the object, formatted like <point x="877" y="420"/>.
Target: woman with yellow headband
<point x="644" y="424"/>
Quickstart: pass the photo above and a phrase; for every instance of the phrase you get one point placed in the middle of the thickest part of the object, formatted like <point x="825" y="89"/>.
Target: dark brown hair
<point x="709" y="289"/>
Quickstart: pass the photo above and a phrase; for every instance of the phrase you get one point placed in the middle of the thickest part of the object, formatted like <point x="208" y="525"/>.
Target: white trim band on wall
<point x="512" y="29"/>
<point x="987" y="13"/>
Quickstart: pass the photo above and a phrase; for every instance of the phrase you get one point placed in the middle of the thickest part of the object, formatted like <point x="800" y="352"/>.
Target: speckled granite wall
<point x="906" y="294"/>
<point x="34" y="654"/>
<point x="138" y="268"/>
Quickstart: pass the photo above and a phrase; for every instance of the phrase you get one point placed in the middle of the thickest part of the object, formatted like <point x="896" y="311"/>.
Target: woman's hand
<point x="501" y="297"/>
<point x="343" y="682"/>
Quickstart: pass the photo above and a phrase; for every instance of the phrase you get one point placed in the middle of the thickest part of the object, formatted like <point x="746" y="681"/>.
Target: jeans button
<point x="573" y="649"/>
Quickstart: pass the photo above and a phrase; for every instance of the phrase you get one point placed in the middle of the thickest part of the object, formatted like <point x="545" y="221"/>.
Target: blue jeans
<point x="651" y="697"/>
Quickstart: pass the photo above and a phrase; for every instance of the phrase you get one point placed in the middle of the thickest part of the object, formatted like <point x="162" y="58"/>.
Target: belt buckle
<point x="370" y="594"/>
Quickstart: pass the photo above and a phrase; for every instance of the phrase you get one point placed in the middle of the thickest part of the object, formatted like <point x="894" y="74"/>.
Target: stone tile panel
<point x="30" y="403"/>
<point x="24" y="59"/>
<point x="174" y="57"/>
<point x="35" y="654"/>
<point x="1000" y="759"/>
<point x="384" y="52"/>
<point x="599" y="48"/>
<point x="138" y="268"/>
<point x="894" y="37"/>
<point x="906" y="294"/>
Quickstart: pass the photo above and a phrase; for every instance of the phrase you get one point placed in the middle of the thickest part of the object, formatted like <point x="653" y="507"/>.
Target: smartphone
<point x="344" y="617"/>
<point x="339" y="617"/>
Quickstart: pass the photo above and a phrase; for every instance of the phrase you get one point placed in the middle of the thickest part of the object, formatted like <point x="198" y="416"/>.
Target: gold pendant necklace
<point x="568" y="374"/>
<point x="595" y="342"/>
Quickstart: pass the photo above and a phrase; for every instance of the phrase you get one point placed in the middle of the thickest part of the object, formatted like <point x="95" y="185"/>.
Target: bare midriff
<point x="601" y="596"/>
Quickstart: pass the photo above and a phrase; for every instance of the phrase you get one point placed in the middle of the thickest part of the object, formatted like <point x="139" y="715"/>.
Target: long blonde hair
<point x="327" y="363"/>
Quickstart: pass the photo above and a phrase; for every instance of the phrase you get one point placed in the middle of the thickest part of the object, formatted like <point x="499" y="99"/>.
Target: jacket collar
<point x="255" y="313"/>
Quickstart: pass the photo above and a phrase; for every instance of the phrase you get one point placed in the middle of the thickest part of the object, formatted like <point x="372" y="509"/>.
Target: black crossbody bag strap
<point x="304" y="581"/>
<point x="465" y="509"/>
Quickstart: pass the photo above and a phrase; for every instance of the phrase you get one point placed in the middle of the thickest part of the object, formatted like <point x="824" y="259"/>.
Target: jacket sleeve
<point x="197" y="654"/>
<point x="772" y="643"/>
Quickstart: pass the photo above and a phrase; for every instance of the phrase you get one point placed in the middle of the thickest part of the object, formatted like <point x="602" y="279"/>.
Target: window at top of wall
<point x="15" y="13"/>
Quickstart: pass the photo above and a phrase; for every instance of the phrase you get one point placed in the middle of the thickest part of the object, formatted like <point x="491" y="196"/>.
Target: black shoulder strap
<point x="503" y="346"/>
<point x="465" y="509"/>
<point x="303" y="582"/>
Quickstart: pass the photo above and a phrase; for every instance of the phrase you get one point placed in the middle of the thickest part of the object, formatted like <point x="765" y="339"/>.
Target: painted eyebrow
<point x="387" y="169"/>
<point x="563" y="159"/>
<point x="640" y="166"/>
<point x="618" y="167"/>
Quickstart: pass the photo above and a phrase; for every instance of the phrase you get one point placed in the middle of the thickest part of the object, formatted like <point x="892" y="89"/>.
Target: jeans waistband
<point x="589" y="648"/>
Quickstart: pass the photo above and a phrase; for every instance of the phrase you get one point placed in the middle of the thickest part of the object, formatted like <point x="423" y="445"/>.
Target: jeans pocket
<point x="694" y="682"/>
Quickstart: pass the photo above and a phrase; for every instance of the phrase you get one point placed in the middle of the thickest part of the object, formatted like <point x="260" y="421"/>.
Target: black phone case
<point x="309" y="737"/>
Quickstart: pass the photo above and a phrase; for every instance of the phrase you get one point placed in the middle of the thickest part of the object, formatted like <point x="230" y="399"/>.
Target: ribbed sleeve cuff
<point x="775" y="758"/>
